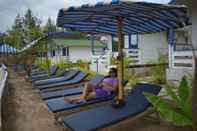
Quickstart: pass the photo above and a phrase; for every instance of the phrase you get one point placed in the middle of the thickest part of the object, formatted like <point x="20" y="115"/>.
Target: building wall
<point x="152" y="46"/>
<point x="83" y="53"/>
<point x="194" y="22"/>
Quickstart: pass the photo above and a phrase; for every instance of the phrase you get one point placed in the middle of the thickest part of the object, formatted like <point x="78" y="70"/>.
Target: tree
<point x="49" y="27"/>
<point x="32" y="28"/>
<point x="14" y="35"/>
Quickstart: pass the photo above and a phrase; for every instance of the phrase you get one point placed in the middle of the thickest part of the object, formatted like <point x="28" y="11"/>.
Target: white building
<point x="181" y="60"/>
<point x="76" y="49"/>
<point x="142" y="48"/>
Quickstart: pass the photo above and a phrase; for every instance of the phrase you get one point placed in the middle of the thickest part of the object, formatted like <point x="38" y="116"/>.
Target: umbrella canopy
<point x="123" y="17"/>
<point x="7" y="49"/>
<point x="139" y="17"/>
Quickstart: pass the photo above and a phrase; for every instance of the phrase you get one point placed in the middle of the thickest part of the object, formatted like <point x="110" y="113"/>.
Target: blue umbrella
<point x="123" y="17"/>
<point x="7" y="49"/>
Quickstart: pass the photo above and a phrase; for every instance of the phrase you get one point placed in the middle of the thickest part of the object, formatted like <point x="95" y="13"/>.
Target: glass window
<point x="52" y="53"/>
<point x="114" y="44"/>
<point x="133" y="41"/>
<point x="65" y="51"/>
<point x="68" y="52"/>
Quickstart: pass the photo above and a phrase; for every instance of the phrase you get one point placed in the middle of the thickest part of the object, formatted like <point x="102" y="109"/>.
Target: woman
<point x="107" y="86"/>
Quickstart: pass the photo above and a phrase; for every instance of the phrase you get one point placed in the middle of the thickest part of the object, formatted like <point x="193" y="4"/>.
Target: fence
<point x="3" y="91"/>
<point x="134" y="55"/>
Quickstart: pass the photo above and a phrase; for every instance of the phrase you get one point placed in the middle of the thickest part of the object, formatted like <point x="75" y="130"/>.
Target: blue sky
<point x="41" y="8"/>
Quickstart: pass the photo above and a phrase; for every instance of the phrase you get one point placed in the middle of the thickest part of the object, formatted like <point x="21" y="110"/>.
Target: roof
<point x="138" y="17"/>
<point x="182" y="2"/>
<point x="77" y="42"/>
<point x="51" y="36"/>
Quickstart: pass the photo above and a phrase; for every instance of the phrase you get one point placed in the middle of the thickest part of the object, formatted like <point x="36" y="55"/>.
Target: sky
<point x="41" y="8"/>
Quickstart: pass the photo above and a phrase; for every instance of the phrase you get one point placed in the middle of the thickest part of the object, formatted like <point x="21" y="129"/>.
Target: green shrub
<point x="84" y="66"/>
<point x="158" y="73"/>
<point x="44" y="64"/>
<point x="64" y="64"/>
<point x="181" y="114"/>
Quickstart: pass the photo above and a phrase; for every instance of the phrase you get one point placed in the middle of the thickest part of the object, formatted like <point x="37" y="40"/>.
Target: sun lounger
<point x="76" y="80"/>
<point x="106" y="116"/>
<point x="74" y="91"/>
<point x="53" y="70"/>
<point x="67" y="76"/>
<point x="60" y="106"/>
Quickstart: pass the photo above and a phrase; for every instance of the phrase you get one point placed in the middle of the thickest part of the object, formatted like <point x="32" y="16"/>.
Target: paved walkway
<point x="25" y="110"/>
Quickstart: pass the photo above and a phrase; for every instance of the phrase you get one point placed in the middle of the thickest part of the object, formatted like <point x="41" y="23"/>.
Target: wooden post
<point x="120" y="58"/>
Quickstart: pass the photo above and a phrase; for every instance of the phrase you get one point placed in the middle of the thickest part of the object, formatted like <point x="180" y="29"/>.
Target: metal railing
<point x="133" y="54"/>
<point x="3" y="92"/>
<point x="182" y="56"/>
<point x="183" y="47"/>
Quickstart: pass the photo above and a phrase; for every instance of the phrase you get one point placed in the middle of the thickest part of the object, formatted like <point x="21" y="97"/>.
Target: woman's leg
<point x="87" y="92"/>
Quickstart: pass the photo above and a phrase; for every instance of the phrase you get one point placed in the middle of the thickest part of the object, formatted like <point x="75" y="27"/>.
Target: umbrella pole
<point x="120" y="99"/>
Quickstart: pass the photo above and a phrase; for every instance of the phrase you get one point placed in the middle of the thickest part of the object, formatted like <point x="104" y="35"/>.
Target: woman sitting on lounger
<point x="107" y="86"/>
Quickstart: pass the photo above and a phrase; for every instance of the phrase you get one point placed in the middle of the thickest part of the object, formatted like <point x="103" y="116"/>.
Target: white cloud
<point x="41" y="8"/>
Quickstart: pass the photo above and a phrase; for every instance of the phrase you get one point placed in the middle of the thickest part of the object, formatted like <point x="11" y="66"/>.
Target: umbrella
<point x="123" y="17"/>
<point x="7" y="49"/>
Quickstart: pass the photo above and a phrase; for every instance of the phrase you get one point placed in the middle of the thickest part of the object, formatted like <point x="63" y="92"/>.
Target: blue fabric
<point x="100" y="117"/>
<point x="54" y="94"/>
<point x="61" y="93"/>
<point x="69" y="75"/>
<point x="78" y="78"/>
<point x="39" y="77"/>
<point x="7" y="49"/>
<point x="53" y="70"/>
<point x="102" y="17"/>
<point x="59" y="104"/>
<point x="38" y="73"/>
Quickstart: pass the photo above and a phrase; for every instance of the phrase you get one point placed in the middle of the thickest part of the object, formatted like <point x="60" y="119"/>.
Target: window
<point x="44" y="54"/>
<point x="65" y="51"/>
<point x="68" y="52"/>
<point x="52" y="53"/>
<point x="114" y="44"/>
<point x="133" y="41"/>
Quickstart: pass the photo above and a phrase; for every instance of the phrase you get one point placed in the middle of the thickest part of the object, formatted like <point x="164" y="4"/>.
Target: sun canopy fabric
<point x="7" y="49"/>
<point x="138" y="17"/>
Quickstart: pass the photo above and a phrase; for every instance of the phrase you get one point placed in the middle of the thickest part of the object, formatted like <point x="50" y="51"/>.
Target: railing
<point x="183" y="47"/>
<point x="134" y="55"/>
<point x="3" y="91"/>
<point x="99" y="59"/>
<point x="183" y="59"/>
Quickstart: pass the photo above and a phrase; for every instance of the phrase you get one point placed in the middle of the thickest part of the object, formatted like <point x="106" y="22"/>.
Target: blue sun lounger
<point x="53" y="70"/>
<point x="67" y="76"/>
<point x="101" y="117"/>
<point x="76" y="80"/>
<point x="74" y="91"/>
<point x="59" y="104"/>
<point x="58" y="73"/>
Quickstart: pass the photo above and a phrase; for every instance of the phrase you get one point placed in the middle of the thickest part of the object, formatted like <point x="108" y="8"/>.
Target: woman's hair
<point x="113" y="70"/>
